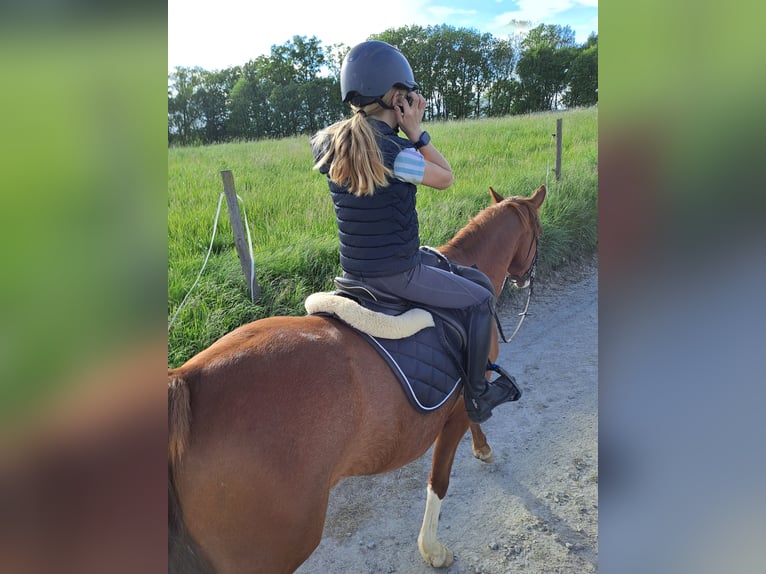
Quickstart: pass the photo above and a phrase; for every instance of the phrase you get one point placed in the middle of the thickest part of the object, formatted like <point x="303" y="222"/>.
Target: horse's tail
<point x="184" y="556"/>
<point x="179" y="418"/>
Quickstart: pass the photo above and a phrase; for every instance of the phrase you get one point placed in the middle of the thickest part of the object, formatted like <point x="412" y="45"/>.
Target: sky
<point x="219" y="34"/>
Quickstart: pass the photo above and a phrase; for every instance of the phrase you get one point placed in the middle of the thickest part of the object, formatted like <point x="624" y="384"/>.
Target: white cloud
<point x="217" y="34"/>
<point x="543" y="11"/>
<point x="224" y="33"/>
<point x="443" y="12"/>
<point x="539" y="10"/>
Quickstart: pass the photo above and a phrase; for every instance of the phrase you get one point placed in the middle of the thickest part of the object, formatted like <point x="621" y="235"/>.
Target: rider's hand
<point x="410" y="116"/>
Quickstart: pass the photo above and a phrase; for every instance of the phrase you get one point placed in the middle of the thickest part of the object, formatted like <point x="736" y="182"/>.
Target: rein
<point x="530" y="274"/>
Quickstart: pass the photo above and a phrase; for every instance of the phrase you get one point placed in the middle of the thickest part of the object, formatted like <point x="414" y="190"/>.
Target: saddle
<point x="427" y="349"/>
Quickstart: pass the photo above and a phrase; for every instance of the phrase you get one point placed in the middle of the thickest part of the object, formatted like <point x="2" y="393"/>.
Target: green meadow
<point x="292" y="224"/>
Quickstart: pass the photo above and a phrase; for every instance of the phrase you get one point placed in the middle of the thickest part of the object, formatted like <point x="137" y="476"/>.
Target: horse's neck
<point x="489" y="251"/>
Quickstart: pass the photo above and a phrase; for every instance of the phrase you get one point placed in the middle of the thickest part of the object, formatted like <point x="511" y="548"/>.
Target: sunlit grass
<point x="292" y="222"/>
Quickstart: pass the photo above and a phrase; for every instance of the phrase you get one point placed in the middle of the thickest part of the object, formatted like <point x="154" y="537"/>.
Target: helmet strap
<point x="383" y="104"/>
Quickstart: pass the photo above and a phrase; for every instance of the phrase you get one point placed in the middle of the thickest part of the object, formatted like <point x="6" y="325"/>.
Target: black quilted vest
<point x="379" y="232"/>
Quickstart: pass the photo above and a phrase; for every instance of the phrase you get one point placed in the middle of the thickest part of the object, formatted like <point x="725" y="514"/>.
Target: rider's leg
<point x="429" y="285"/>
<point x="435" y="287"/>
<point x="481" y="395"/>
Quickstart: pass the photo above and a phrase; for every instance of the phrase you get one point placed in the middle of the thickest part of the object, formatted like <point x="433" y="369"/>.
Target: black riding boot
<point x="480" y="395"/>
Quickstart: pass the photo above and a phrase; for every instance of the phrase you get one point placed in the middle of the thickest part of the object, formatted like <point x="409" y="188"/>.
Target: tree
<point x="582" y="76"/>
<point x="185" y="118"/>
<point x="550" y="35"/>
<point x="333" y="58"/>
<point x="307" y="58"/>
<point x="328" y="108"/>
<point x="460" y="72"/>
<point x="542" y="77"/>
<point x="500" y="62"/>
<point x="459" y="77"/>
<point x="213" y="98"/>
<point x="250" y="112"/>
<point x="547" y="54"/>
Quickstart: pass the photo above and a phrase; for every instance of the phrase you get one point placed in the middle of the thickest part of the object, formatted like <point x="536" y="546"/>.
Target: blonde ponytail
<point x="355" y="159"/>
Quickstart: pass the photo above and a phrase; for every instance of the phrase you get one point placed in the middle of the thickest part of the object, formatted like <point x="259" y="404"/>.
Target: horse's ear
<point x="496" y="197"/>
<point x="538" y="196"/>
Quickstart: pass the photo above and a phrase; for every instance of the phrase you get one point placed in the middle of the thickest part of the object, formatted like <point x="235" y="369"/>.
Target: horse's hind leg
<point x="479" y="444"/>
<point x="431" y="549"/>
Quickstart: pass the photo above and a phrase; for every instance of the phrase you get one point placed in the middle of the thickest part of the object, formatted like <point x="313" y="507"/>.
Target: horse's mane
<point x="526" y="213"/>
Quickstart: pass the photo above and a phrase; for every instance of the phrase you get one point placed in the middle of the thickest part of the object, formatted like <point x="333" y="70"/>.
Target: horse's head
<point x="522" y="266"/>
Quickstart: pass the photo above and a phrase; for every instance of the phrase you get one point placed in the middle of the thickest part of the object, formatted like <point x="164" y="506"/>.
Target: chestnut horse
<point x="264" y="422"/>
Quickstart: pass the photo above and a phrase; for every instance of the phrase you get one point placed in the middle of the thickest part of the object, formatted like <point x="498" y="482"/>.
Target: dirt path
<point x="535" y="509"/>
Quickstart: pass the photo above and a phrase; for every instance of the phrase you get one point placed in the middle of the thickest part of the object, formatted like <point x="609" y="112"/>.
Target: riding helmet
<point x="372" y="68"/>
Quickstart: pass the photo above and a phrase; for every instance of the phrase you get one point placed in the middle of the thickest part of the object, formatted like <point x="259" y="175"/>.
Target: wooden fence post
<point x="558" y="148"/>
<point x="239" y="235"/>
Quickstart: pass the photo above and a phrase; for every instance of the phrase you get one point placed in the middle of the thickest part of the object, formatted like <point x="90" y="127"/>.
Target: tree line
<point x="461" y="73"/>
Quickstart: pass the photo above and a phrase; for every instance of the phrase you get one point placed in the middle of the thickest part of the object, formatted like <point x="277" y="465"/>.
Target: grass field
<point x="292" y="223"/>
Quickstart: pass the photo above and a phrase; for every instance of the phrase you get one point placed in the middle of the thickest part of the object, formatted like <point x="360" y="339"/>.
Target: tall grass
<point x="293" y="226"/>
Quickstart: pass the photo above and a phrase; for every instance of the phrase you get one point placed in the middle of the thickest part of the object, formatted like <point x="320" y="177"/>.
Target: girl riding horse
<point x="372" y="174"/>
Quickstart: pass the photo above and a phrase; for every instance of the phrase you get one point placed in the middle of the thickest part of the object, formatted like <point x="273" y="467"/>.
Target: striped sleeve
<point x="409" y="166"/>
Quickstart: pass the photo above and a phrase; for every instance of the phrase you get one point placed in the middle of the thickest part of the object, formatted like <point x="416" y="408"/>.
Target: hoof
<point x="484" y="454"/>
<point x="442" y="559"/>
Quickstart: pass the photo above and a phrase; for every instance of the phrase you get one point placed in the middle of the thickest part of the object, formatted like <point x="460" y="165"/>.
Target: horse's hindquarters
<point x="282" y="409"/>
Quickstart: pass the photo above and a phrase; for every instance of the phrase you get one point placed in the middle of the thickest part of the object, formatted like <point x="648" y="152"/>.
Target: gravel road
<point x="535" y="508"/>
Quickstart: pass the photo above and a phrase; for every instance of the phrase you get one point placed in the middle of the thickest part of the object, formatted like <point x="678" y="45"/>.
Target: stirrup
<point x="505" y="379"/>
<point x="501" y="390"/>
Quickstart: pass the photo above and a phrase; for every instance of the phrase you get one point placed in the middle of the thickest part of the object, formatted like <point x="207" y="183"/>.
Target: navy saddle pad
<point x="430" y="365"/>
